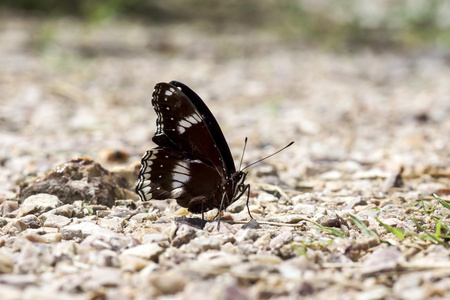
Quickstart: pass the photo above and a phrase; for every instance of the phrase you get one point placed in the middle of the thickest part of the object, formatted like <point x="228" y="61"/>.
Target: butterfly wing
<point x="185" y="123"/>
<point x="166" y="175"/>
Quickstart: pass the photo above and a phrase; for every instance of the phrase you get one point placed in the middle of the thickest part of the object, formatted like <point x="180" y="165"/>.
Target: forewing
<point x="186" y="124"/>
<point x="165" y="175"/>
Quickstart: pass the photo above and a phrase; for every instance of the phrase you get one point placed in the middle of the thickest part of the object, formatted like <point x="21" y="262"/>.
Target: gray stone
<point x="33" y="258"/>
<point x="113" y="223"/>
<point x="14" y="227"/>
<point x="147" y="251"/>
<point x="133" y="263"/>
<point x="167" y="283"/>
<point x="6" y="261"/>
<point x="206" y="243"/>
<point x="71" y="234"/>
<point x="217" y="259"/>
<point x="247" y="234"/>
<point x="8" y="207"/>
<point x="31" y="221"/>
<point x="142" y="217"/>
<point x="88" y="228"/>
<point x="383" y="260"/>
<point x="309" y="209"/>
<point x="184" y="234"/>
<point x="281" y="239"/>
<point x="66" y="210"/>
<point x="38" y="204"/>
<point x="154" y="238"/>
<point x="56" y="221"/>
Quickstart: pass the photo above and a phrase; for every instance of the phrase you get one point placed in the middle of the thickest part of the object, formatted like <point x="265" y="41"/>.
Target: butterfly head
<point x="239" y="186"/>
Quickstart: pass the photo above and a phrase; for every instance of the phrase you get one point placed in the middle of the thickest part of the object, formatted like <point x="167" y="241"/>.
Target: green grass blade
<point x="429" y="236"/>
<point x="430" y="209"/>
<point x="398" y="232"/>
<point x="299" y="250"/>
<point x="362" y="226"/>
<point x="333" y="231"/>
<point x="446" y="205"/>
<point x="438" y="229"/>
<point x="442" y="202"/>
<point x="89" y="208"/>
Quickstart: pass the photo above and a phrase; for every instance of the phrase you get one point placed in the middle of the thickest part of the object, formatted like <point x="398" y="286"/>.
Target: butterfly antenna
<point x="243" y="151"/>
<point x="288" y="145"/>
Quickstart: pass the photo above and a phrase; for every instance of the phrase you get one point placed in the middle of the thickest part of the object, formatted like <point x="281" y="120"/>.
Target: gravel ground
<point x="371" y="134"/>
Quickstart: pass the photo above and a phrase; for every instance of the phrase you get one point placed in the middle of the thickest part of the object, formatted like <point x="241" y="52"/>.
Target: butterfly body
<point x="192" y="163"/>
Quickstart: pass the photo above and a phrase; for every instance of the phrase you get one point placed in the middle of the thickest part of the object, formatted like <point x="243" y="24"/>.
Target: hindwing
<point x="165" y="175"/>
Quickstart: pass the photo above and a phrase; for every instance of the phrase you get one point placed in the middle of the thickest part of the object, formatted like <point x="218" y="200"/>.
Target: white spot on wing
<point x="180" y="177"/>
<point x="177" y="192"/>
<point x="185" y="124"/>
<point x="180" y="174"/>
<point x="145" y="184"/>
<point x="193" y="119"/>
<point x="176" y="185"/>
<point x="168" y="93"/>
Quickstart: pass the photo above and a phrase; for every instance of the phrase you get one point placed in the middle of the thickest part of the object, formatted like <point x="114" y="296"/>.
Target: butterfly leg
<point x="203" y="212"/>
<point x="215" y="217"/>
<point x="247" y="187"/>
<point x="220" y="210"/>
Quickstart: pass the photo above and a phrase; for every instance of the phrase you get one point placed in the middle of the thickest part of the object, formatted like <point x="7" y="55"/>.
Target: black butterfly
<point x="192" y="163"/>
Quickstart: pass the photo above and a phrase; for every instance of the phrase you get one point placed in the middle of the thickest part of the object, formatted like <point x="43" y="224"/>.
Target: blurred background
<point x="345" y="24"/>
<point x="360" y="82"/>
